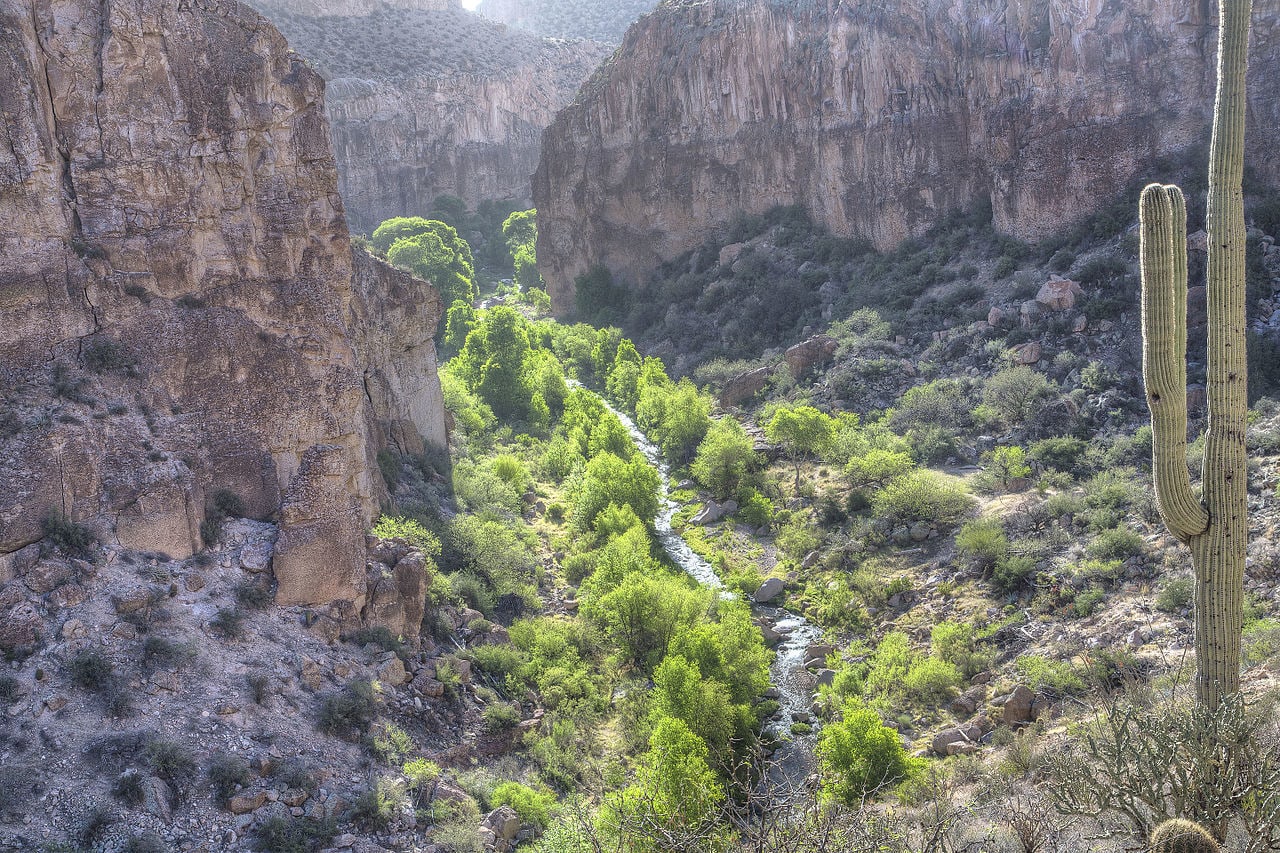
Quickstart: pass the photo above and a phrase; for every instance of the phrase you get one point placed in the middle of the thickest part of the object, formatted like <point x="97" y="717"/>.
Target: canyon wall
<point x="184" y="321"/>
<point x="878" y="118"/>
<point x="428" y="99"/>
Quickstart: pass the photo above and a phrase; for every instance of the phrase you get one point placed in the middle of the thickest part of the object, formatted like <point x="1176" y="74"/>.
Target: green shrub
<point x="171" y="761"/>
<point x="983" y="541"/>
<point x="533" y="806"/>
<point x="1015" y="393"/>
<point x="348" y="713"/>
<point x="66" y="535"/>
<point x="253" y="595"/>
<point x="1261" y="641"/>
<point x="1175" y="595"/>
<point x="147" y="842"/>
<point x="471" y="591"/>
<point x="157" y="651"/>
<point x="420" y="776"/>
<point x="279" y="834"/>
<point x="391" y="743"/>
<point x="229" y="621"/>
<point x="1087" y="602"/>
<point x="128" y="788"/>
<point x="380" y="803"/>
<point x="91" y="671"/>
<point x="931" y="680"/>
<point x="757" y="510"/>
<point x="500" y="716"/>
<point x="1013" y="573"/>
<point x="1043" y="675"/>
<point x="411" y="531"/>
<point x="226" y="773"/>
<point x="1061" y="453"/>
<point x="259" y="685"/>
<point x="860" y="756"/>
<point x="921" y="496"/>
<point x="1118" y="543"/>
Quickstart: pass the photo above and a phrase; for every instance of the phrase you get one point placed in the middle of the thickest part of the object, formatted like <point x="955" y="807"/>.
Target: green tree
<point x="860" y="756"/>
<point x="437" y="254"/>
<point x="676" y="417"/>
<point x="802" y="431"/>
<point x="598" y="299"/>
<point x="724" y="457"/>
<point x="645" y="612"/>
<point x="1014" y="393"/>
<point x="676" y="796"/>
<point x="493" y="361"/>
<point x="397" y="228"/>
<point x="680" y="690"/>
<point x="520" y="229"/>
<point x="610" y="480"/>
<point x="459" y="322"/>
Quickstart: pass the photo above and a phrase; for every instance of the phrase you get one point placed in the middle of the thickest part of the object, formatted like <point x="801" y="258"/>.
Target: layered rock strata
<point x="183" y="317"/>
<point x="878" y="119"/>
<point x="427" y="99"/>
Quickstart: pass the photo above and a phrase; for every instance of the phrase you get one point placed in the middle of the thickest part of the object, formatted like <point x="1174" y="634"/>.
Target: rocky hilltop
<point x="601" y="20"/>
<point x="425" y="98"/>
<point x="877" y="118"/>
<point x="186" y="330"/>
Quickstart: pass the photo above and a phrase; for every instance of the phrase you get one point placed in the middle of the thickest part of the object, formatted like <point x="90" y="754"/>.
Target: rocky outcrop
<point x="427" y="99"/>
<point x="601" y="20"/>
<point x="878" y="118"/>
<point x="182" y="316"/>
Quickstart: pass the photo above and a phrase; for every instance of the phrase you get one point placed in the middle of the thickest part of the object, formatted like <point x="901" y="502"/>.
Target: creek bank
<point x="791" y="635"/>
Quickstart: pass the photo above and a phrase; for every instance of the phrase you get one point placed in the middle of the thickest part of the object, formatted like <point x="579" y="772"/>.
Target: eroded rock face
<point x="878" y="119"/>
<point x="425" y="99"/>
<point x="176" y="279"/>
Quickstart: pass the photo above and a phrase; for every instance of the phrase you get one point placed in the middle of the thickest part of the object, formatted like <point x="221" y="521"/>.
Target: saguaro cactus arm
<point x="1163" y="215"/>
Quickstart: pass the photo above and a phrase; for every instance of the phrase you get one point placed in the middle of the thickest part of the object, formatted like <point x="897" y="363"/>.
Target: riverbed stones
<point x="768" y="591"/>
<point x="712" y="512"/>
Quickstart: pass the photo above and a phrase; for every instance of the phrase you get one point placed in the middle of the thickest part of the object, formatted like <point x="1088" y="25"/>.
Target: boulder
<point x="712" y="512"/>
<point x="995" y="317"/>
<point x="768" y="591"/>
<point x="957" y="740"/>
<point x="729" y="253"/>
<point x="46" y="576"/>
<point x="1019" y="706"/>
<point x="1059" y="294"/>
<point x="1028" y="353"/>
<point x="245" y="803"/>
<point x="503" y="822"/>
<point x="807" y="355"/>
<point x="744" y="386"/>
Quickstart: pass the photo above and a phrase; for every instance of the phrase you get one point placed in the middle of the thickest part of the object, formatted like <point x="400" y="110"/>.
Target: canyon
<point x="187" y="324"/>
<point x="878" y="119"/>
<point x="425" y="99"/>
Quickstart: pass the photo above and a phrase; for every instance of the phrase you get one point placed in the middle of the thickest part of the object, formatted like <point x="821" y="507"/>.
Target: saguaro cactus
<point x="1215" y="528"/>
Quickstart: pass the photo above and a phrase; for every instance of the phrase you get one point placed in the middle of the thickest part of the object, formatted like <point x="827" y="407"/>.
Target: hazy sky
<point x="470" y="4"/>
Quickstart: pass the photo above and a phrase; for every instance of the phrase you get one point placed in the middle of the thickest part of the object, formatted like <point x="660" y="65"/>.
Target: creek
<point x="794" y="684"/>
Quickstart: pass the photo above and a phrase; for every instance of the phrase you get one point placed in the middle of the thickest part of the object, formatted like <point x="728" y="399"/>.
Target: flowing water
<point x="795" y="684"/>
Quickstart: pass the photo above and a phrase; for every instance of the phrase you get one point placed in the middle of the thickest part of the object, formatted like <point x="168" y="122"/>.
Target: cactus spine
<point x="1216" y="530"/>
<point x="1182" y="836"/>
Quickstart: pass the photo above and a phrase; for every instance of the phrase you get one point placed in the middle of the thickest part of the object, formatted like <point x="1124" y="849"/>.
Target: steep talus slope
<point x="877" y="118"/>
<point x="602" y="20"/>
<point x="426" y="101"/>
<point x="177" y="282"/>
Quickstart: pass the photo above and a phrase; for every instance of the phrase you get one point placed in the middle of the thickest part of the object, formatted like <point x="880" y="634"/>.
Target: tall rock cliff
<point x="601" y="20"/>
<point x="183" y="318"/>
<point x="878" y="118"/>
<point x="425" y="98"/>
